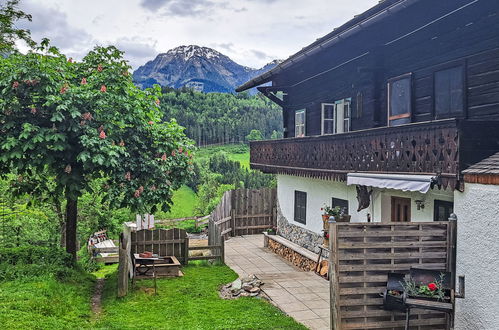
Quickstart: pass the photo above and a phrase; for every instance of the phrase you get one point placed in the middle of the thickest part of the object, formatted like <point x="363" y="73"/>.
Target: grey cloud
<point x="228" y="46"/>
<point x="259" y="54"/>
<point x="137" y="51"/>
<point x="52" y="23"/>
<point x="153" y="5"/>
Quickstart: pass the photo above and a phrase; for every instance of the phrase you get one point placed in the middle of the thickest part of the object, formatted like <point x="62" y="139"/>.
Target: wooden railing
<point x="431" y="147"/>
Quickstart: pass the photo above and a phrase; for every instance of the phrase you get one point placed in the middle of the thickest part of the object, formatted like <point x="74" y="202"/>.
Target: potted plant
<point x="433" y="290"/>
<point x="272" y="231"/>
<point x="338" y="214"/>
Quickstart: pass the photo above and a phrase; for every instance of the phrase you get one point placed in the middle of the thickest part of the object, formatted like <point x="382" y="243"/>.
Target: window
<point x="342" y="203"/>
<point x="336" y="117"/>
<point x="442" y="210"/>
<point x="327" y="118"/>
<point x="300" y="123"/>
<point x="399" y="100"/>
<point x="449" y="86"/>
<point x="301" y="207"/>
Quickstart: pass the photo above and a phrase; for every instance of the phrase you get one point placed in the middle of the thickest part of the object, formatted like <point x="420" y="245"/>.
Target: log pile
<point x="294" y="257"/>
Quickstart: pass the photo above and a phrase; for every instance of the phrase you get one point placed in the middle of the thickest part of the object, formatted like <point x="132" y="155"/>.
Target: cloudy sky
<point x="251" y="32"/>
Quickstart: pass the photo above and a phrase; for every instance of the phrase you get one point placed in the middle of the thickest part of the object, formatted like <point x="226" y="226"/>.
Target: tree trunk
<point x="71" y="214"/>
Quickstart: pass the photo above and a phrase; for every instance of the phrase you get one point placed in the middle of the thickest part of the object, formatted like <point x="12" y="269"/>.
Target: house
<point x="400" y="99"/>
<point x="392" y="116"/>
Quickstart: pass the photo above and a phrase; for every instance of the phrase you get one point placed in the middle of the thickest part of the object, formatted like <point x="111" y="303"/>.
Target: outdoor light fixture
<point x="420" y="204"/>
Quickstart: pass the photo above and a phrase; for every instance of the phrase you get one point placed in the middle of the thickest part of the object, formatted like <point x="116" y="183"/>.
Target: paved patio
<point x="302" y="295"/>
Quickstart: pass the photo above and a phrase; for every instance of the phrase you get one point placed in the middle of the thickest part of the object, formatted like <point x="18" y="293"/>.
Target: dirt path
<point x="96" y="298"/>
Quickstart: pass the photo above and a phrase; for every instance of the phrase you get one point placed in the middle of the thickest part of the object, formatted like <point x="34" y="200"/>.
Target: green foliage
<point x="184" y="203"/>
<point x="46" y="303"/>
<point x="189" y="302"/>
<point x="276" y="135"/>
<point x="255" y="135"/>
<point x="221" y="118"/>
<point x="9" y="33"/>
<point x="31" y="261"/>
<point x="210" y="193"/>
<point x="81" y="121"/>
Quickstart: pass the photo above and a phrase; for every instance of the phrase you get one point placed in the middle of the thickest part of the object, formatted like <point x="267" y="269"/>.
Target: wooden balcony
<point x="444" y="146"/>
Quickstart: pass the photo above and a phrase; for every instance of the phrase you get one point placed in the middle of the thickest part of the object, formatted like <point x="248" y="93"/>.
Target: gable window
<point x="300" y="123"/>
<point x="341" y="203"/>
<point x="449" y="86"/>
<point x="399" y="100"/>
<point x="301" y="207"/>
<point x="336" y="117"/>
<point x="442" y="210"/>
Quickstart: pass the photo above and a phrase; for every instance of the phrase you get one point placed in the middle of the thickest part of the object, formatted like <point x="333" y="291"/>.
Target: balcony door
<point x="401" y="209"/>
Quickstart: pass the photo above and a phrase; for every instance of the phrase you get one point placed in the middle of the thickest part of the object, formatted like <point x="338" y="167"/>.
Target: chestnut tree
<point x="74" y="122"/>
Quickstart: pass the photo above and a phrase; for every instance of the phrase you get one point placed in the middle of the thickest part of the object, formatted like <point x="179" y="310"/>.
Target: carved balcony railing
<point x="420" y="148"/>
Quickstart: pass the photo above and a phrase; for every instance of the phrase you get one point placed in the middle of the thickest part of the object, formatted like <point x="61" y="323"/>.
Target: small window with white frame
<point x="300" y="123"/>
<point x="336" y="117"/>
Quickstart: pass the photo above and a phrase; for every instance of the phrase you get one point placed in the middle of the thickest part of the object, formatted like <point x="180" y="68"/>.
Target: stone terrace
<point x="302" y="295"/>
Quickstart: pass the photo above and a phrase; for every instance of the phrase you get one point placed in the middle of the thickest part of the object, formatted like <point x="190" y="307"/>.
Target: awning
<point x="402" y="182"/>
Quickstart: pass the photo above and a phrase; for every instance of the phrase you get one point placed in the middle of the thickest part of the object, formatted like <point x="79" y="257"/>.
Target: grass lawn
<point x="189" y="302"/>
<point x="45" y="303"/>
<point x="236" y="152"/>
<point x="184" y="202"/>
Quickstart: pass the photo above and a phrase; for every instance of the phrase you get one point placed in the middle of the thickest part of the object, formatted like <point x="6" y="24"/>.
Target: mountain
<point x="201" y="68"/>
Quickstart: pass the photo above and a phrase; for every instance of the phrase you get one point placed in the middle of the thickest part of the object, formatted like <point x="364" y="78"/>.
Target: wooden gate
<point x="164" y="242"/>
<point x="244" y="212"/>
<point x="364" y="253"/>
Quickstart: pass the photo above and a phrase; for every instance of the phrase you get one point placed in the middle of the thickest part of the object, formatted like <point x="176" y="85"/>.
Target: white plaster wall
<point x="320" y="192"/>
<point x="477" y="210"/>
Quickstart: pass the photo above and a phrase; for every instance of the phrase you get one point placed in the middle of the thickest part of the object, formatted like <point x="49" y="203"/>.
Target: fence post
<point x="222" y="250"/>
<point x="186" y="250"/>
<point x="233" y="222"/>
<point x="123" y="267"/>
<point x="333" y="275"/>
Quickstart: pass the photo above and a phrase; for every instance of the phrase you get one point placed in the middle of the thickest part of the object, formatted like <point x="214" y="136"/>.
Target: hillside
<point x="200" y="68"/>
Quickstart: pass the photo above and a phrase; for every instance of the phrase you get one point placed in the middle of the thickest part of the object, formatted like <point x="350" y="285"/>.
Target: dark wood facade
<point x="423" y="41"/>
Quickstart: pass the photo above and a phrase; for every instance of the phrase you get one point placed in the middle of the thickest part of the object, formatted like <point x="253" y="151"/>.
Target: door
<point x="401" y="209"/>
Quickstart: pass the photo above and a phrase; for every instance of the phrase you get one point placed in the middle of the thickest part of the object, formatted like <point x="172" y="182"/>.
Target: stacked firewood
<point x="294" y="257"/>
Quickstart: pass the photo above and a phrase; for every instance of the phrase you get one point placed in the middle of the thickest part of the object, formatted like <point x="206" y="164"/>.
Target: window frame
<point x="334" y="203"/>
<point x="323" y="105"/>
<point x="304" y="123"/>
<point x="388" y="99"/>
<point x="347" y="116"/>
<point x="296" y="216"/>
<point x="445" y="204"/>
<point x="463" y="112"/>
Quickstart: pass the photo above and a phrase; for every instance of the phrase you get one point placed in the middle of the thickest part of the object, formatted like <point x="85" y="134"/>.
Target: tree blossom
<point x="102" y="135"/>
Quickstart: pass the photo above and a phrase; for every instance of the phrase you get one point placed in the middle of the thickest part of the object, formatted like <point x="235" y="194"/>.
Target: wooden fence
<point x="243" y="212"/>
<point x="199" y="221"/>
<point x="164" y="242"/>
<point x="364" y="253"/>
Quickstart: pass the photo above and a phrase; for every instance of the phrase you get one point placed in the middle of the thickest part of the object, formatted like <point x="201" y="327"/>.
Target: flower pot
<point x="344" y="218"/>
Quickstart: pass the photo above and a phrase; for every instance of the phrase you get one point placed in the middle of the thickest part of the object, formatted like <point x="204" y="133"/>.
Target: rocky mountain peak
<point x="201" y="68"/>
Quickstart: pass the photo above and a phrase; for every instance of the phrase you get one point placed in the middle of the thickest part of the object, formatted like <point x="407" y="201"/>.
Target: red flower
<point x="150" y="122"/>
<point x="122" y="143"/>
<point x="103" y="89"/>
<point x="327" y="236"/>
<point x="102" y="135"/>
<point x="136" y="194"/>
<point x="87" y="116"/>
<point x="33" y="110"/>
<point x="163" y="157"/>
<point x="174" y="153"/>
<point x="70" y="60"/>
<point x="141" y="189"/>
<point x="153" y="188"/>
<point x="157" y="102"/>
<point x="99" y="68"/>
<point x="125" y="73"/>
<point x="15" y="84"/>
<point x="180" y="149"/>
<point x="432" y="286"/>
<point x="64" y="89"/>
<point x="84" y="81"/>
<point x="128" y="176"/>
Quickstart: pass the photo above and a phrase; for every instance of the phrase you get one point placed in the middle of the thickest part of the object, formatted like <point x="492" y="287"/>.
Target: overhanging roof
<point x="375" y="14"/>
<point x="421" y="183"/>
